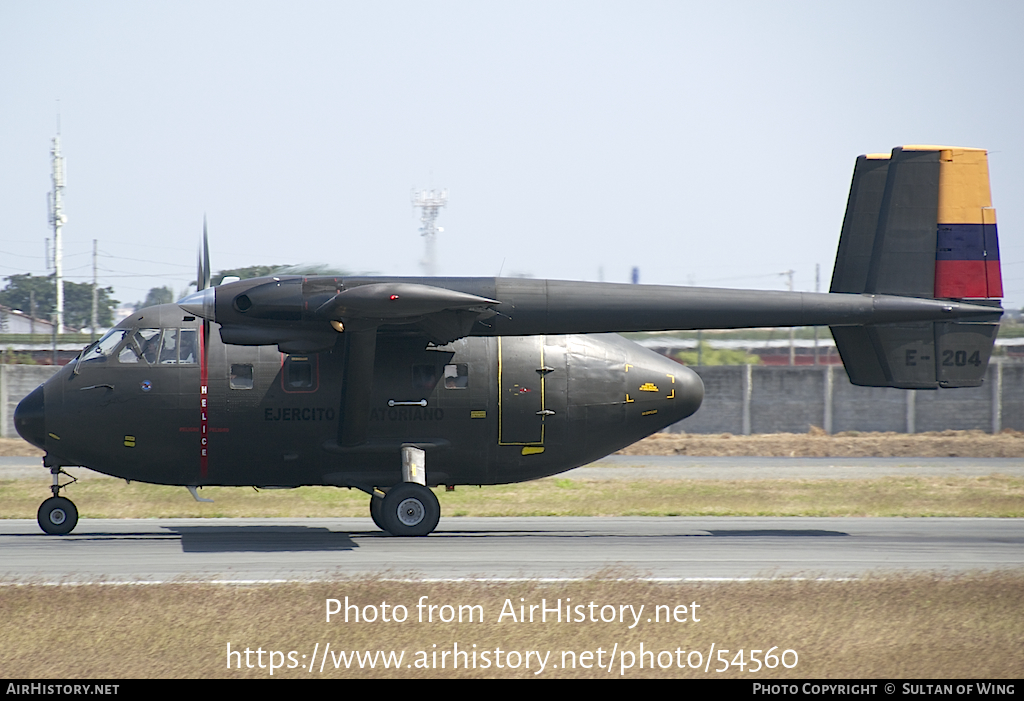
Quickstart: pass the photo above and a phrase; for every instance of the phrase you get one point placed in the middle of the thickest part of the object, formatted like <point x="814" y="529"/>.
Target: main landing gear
<point x="407" y="509"/>
<point x="58" y="515"/>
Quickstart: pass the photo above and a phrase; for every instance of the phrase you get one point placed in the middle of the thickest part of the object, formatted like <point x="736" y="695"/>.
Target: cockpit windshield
<point x="161" y="347"/>
<point x="102" y="349"/>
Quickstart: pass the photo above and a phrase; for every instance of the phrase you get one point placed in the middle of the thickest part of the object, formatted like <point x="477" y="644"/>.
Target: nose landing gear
<point x="58" y="515"/>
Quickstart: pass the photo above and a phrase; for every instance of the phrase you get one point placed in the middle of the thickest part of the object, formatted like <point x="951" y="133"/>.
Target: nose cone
<point x="30" y="418"/>
<point x="659" y="390"/>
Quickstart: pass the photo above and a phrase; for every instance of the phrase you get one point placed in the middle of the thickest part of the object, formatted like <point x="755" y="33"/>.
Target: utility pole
<point x="57" y="220"/>
<point x="817" y="288"/>
<point x="792" y="342"/>
<point x="95" y="295"/>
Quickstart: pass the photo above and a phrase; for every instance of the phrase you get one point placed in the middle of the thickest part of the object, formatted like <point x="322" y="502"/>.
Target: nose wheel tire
<point x="410" y="509"/>
<point x="57" y="516"/>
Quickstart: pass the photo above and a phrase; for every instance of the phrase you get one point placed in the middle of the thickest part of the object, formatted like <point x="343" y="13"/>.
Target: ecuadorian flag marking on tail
<point x="967" y="246"/>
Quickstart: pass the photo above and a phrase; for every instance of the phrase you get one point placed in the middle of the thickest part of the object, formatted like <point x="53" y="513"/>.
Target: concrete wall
<point x="756" y="399"/>
<point x="748" y="399"/>
<point x="16" y="381"/>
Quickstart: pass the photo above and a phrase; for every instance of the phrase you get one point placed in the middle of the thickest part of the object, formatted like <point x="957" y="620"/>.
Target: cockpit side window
<point x="187" y="350"/>
<point x="142" y="343"/>
<point x="149" y="342"/>
<point x="169" y="347"/>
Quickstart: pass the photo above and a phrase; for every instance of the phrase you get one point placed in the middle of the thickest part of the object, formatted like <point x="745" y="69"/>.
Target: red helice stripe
<point x="203" y="405"/>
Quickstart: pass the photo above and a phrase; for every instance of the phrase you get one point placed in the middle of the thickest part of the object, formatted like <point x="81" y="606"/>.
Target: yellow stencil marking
<point x="628" y="366"/>
<point x="478" y="414"/>
<point x="649" y="412"/>
<point x="628" y="400"/>
<point x="648" y="387"/>
<point x="673" y="395"/>
<point x="129" y="441"/>
<point x="532" y="450"/>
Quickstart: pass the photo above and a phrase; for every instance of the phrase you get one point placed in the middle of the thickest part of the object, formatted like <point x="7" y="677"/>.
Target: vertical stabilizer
<point x="919" y="223"/>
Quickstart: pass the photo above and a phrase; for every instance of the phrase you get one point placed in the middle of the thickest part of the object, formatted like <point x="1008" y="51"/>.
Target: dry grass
<point x="12" y="447"/>
<point x="994" y="495"/>
<point x="849" y="444"/>
<point x="899" y="627"/>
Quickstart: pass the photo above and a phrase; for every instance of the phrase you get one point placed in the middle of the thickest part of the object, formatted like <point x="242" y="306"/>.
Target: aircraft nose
<point x="30" y="418"/>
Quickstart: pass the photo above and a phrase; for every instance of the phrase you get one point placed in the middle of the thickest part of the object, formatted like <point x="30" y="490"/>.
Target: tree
<point x="155" y="296"/>
<point x="717" y="356"/>
<point x="244" y="273"/>
<point x="77" y="299"/>
<point x="265" y="270"/>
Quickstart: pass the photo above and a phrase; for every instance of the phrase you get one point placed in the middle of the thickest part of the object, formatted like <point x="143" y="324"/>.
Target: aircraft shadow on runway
<point x="205" y="539"/>
<point x="779" y="533"/>
<point x="196" y="539"/>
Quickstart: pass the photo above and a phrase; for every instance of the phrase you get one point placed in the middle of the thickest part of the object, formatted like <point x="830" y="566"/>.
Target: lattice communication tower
<point x="430" y="203"/>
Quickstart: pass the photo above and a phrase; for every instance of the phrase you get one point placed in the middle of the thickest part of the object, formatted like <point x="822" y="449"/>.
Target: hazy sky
<point x="706" y="143"/>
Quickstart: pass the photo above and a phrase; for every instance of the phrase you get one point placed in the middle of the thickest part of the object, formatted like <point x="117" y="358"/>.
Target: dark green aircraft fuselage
<point x="159" y="401"/>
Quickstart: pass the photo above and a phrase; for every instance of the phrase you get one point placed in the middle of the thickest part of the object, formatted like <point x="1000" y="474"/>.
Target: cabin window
<point x="456" y="376"/>
<point x="299" y="372"/>
<point x="241" y="376"/>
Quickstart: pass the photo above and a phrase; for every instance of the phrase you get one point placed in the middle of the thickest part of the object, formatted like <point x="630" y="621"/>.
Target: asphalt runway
<point x="506" y="548"/>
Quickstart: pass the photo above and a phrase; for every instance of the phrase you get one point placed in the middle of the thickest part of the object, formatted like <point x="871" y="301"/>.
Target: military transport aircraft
<point x="395" y="385"/>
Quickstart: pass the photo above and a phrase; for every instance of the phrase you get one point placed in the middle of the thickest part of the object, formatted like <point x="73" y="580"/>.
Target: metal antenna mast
<point x="429" y="202"/>
<point x="57" y="220"/>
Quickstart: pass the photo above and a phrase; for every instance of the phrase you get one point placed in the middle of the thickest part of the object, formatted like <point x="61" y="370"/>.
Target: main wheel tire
<point x="376" y="513"/>
<point x="410" y="509"/>
<point x="57" y="516"/>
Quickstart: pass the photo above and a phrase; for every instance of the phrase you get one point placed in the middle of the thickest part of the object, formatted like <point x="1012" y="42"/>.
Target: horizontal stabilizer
<point x="917" y="355"/>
